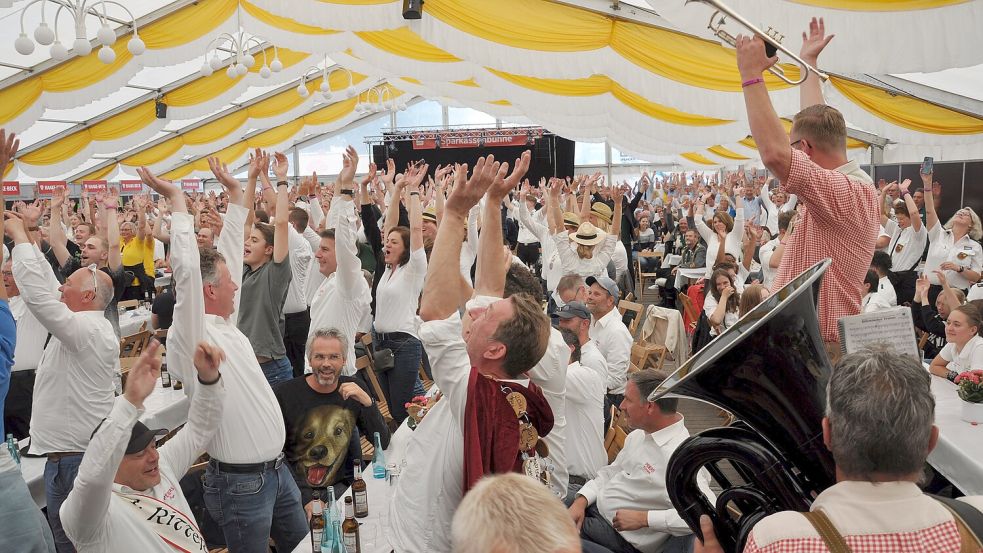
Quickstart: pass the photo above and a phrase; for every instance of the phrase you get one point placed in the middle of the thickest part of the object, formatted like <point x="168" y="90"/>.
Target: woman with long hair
<point x="723" y="303"/>
<point x="587" y="251"/>
<point x="722" y="223"/>
<point x="963" y="350"/>
<point x="953" y="248"/>
<point x="753" y="295"/>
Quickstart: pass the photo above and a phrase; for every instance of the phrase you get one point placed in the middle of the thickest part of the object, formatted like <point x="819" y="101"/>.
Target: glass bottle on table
<point x="378" y="459"/>
<point x="360" y="493"/>
<point x="331" y="513"/>
<point x="333" y="541"/>
<point x="349" y="528"/>
<point x="165" y="377"/>
<point x="317" y="522"/>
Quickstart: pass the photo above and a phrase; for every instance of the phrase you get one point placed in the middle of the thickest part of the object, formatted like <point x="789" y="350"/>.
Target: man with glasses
<point x="321" y="412"/>
<point x="74" y="381"/>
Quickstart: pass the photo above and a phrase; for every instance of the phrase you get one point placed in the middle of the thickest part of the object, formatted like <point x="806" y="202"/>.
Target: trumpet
<point x="771" y="37"/>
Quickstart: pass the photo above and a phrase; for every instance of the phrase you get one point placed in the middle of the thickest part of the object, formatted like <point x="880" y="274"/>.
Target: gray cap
<point x="573" y="309"/>
<point x="606" y="283"/>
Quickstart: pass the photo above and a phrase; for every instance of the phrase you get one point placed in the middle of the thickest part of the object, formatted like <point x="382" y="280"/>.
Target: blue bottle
<point x="378" y="460"/>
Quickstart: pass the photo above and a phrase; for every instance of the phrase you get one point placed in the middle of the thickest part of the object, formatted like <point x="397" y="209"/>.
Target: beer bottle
<point x="349" y="529"/>
<point x="360" y="493"/>
<point x="165" y="377"/>
<point x="317" y="522"/>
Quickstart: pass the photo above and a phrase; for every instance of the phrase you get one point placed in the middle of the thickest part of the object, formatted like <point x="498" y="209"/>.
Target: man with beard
<point x="320" y="412"/>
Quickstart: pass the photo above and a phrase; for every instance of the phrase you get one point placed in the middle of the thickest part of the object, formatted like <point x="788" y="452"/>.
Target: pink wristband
<point x="746" y="84"/>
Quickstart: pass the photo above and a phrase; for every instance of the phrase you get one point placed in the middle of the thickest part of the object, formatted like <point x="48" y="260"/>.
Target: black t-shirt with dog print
<point x="322" y="441"/>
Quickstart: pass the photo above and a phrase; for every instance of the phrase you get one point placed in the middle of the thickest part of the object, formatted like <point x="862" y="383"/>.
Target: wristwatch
<point x="282" y="183"/>
<point x="347" y="192"/>
<point x="961" y="269"/>
<point x="951" y="376"/>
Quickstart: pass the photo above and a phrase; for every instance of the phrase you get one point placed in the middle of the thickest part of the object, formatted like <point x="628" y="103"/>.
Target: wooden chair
<point x="614" y="438"/>
<point x="132" y="346"/>
<point x="689" y="312"/>
<point x="642" y="355"/>
<point x="636" y="308"/>
<point x="638" y="268"/>
<point x="922" y="339"/>
<point x="427" y="383"/>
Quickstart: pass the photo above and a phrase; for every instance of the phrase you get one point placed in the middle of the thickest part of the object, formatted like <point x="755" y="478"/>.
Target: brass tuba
<point x="770" y="371"/>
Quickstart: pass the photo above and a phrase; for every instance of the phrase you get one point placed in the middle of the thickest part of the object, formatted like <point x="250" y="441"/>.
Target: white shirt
<point x="300" y="257"/>
<point x="620" y="259"/>
<point x="637" y="480"/>
<point x="873" y="302"/>
<point x="906" y="246"/>
<point x="732" y="244"/>
<point x="886" y="291"/>
<point x="469" y="249"/>
<point x="526" y="234"/>
<point x="765" y="253"/>
<point x="73" y="389"/>
<point x="975" y="292"/>
<point x="970" y="357"/>
<point x="591" y="358"/>
<point x="614" y="342"/>
<point x="585" y="412"/>
<point x="398" y="295"/>
<point x="252" y="428"/>
<point x="964" y="253"/>
<point x="343" y="298"/>
<point x="573" y="264"/>
<point x="552" y="267"/>
<point x="98" y="520"/>
<point x="730" y="317"/>
<point x="550" y="374"/>
<point x="30" y="345"/>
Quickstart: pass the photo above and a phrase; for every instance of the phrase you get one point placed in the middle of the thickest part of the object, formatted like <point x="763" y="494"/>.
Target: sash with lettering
<point x="174" y="527"/>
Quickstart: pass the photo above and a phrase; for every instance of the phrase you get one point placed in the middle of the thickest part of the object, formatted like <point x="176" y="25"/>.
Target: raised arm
<point x="811" y="92"/>
<point x="392" y="209"/>
<point x="490" y="274"/>
<point x="56" y="232"/>
<point x="107" y="209"/>
<point x="766" y="128"/>
<point x="205" y="414"/>
<point x="909" y="202"/>
<point x="259" y="163"/>
<point x="281" y="222"/>
<point x="931" y="216"/>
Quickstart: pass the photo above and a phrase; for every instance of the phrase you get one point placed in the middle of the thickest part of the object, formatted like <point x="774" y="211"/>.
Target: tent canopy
<point x="644" y="75"/>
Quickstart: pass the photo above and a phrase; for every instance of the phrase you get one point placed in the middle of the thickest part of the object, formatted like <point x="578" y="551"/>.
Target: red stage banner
<point x="95" y="185"/>
<point x="190" y="184"/>
<point x="48" y="187"/>
<point x="11" y="188"/>
<point x="131" y="186"/>
<point x="474" y="138"/>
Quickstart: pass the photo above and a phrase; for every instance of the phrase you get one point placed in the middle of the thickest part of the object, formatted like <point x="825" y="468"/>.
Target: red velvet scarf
<point x="491" y="428"/>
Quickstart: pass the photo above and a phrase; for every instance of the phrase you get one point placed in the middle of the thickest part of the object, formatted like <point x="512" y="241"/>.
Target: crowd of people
<point x="505" y="294"/>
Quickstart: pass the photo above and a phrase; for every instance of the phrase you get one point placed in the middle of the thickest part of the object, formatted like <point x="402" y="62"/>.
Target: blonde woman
<point x="722" y="222"/>
<point x="587" y="251"/>
<point x="954" y="248"/>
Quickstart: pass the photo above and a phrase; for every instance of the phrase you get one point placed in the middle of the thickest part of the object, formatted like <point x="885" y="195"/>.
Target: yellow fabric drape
<point x="404" y="42"/>
<point x="331" y="113"/>
<point x="529" y="24"/>
<point x="284" y="23"/>
<point x="100" y="174"/>
<point x="125" y="123"/>
<point x="14" y="100"/>
<point x="725" y="153"/>
<point x="908" y="112"/>
<point x="500" y="103"/>
<point x="698" y="158"/>
<point x="68" y="147"/>
<point x="359" y="2"/>
<point x="600" y="84"/>
<point x="154" y="154"/>
<point x="215" y="130"/>
<point x="879" y="5"/>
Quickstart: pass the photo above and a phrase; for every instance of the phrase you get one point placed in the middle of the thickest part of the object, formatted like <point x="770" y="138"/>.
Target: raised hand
<point x="413" y="177"/>
<point x="259" y="163"/>
<point x="8" y="148"/>
<point x="519" y="170"/>
<point x="349" y="164"/>
<point x="904" y="186"/>
<point x="815" y="41"/>
<point x="143" y="375"/>
<point x="371" y="174"/>
<point x="208" y="358"/>
<point x="160" y="186"/>
<point x="280" y="166"/>
<point x="389" y="175"/>
<point x="468" y="191"/>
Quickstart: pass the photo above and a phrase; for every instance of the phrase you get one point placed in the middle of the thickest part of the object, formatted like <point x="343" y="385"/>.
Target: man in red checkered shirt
<point x="838" y="215"/>
<point x="879" y="427"/>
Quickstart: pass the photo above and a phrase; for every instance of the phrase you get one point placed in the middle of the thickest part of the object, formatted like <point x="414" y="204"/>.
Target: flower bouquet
<point x="971" y="392"/>
<point x="418" y="407"/>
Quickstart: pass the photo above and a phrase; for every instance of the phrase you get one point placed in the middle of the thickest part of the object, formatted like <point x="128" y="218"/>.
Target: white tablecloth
<point x="165" y="408"/>
<point x="379" y="494"/>
<point x="131" y="321"/>
<point x="959" y="453"/>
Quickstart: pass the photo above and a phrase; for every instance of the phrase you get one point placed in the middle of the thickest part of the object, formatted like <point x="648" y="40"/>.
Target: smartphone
<point x="928" y="165"/>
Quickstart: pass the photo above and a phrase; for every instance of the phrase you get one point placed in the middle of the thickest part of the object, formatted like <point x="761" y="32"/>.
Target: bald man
<point x="74" y="381"/>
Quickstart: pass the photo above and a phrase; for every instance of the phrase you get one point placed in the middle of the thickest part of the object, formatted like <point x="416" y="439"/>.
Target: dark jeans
<point x="251" y="508"/>
<point x="400" y="383"/>
<point x="22" y="525"/>
<point x="905" y="288"/>
<point x="296" y="327"/>
<point x="59" y="477"/>
<point x="17" y="409"/>
<point x="277" y="370"/>
<point x="597" y="530"/>
<point x="528" y="253"/>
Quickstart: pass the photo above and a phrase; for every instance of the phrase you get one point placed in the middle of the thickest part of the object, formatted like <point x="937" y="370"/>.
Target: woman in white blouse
<point x="908" y="239"/>
<point x="953" y="248"/>
<point x="964" y="346"/>
<point x="721" y="222"/>
<point x="398" y="295"/>
<point x="722" y="304"/>
<point x="588" y="251"/>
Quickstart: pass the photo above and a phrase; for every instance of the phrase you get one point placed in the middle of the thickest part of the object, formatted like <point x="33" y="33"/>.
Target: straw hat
<point x="572" y="219"/>
<point x="602" y="211"/>
<point x="588" y="235"/>
<point x="430" y="214"/>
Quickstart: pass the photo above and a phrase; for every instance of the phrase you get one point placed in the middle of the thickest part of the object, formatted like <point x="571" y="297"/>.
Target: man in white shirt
<point x="127" y="495"/>
<point x="249" y="490"/>
<point x="576" y="317"/>
<point x="585" y="412"/>
<point x="502" y="341"/>
<point x="343" y="297"/>
<point x="296" y="317"/>
<point x="17" y="409"/>
<point x="908" y="240"/>
<point x="612" y="336"/>
<point x="627" y="508"/>
<point x="75" y="375"/>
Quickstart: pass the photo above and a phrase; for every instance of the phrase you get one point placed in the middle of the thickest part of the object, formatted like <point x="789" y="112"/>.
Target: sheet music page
<point x="892" y="328"/>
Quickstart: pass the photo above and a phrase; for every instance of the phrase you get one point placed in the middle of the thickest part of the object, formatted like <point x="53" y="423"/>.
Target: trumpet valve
<point x="775" y="35"/>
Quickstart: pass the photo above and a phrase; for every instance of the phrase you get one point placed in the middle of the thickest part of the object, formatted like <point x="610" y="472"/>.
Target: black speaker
<point x="412" y="9"/>
<point x="161" y="110"/>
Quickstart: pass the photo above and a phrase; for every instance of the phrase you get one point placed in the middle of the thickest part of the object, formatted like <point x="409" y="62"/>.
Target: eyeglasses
<point x="795" y="144"/>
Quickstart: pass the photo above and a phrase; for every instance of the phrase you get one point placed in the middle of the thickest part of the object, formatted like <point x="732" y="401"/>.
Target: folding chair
<point x="638" y="268"/>
<point x="636" y="308"/>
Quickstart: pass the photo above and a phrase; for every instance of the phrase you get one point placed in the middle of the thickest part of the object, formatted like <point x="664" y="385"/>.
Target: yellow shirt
<point x="136" y="252"/>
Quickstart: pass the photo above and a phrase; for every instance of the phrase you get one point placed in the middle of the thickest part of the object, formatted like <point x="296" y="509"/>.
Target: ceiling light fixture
<point x="106" y="36"/>
<point x="324" y="89"/>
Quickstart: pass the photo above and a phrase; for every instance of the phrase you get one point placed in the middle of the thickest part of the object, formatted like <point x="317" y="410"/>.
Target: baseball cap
<point x="573" y="309"/>
<point x="141" y="436"/>
<point x="606" y="283"/>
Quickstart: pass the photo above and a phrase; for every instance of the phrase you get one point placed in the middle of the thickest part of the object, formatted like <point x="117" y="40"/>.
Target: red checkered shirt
<point x="888" y="517"/>
<point x="838" y="219"/>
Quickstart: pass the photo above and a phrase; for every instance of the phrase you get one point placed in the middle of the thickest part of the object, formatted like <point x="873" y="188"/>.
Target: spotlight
<point x="412" y="9"/>
<point x="161" y="109"/>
